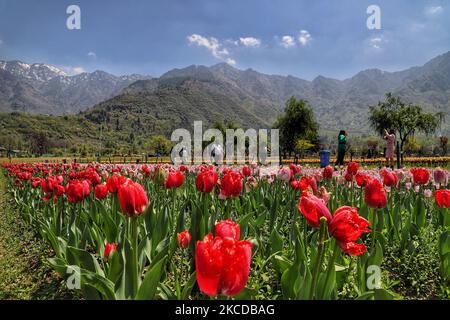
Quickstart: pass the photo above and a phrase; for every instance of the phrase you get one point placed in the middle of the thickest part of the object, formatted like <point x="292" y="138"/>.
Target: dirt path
<point x="24" y="271"/>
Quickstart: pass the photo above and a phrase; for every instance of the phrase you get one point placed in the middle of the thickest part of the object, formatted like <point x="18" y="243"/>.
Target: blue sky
<point x="301" y="38"/>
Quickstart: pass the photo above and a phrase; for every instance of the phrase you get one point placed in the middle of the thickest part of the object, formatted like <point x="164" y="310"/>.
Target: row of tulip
<point x="192" y="232"/>
<point x="409" y="161"/>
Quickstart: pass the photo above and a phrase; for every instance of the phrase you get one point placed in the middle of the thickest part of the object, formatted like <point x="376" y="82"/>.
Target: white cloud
<point x="287" y="41"/>
<point x="71" y="71"/>
<point x="214" y="46"/>
<point x="78" y="70"/>
<point x="377" y="42"/>
<point x="433" y="11"/>
<point x="92" y="54"/>
<point x="304" y="38"/>
<point x="250" y="42"/>
<point x="231" y="61"/>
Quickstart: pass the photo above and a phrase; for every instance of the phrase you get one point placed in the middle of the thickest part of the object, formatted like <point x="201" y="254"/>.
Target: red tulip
<point x="389" y="178"/>
<point x="132" y="198"/>
<point x="49" y="184"/>
<point x="420" y="175"/>
<point x="174" y="179"/>
<point x="77" y="190"/>
<point x="225" y="170"/>
<point x="109" y="248"/>
<point x="246" y="171"/>
<point x="231" y="185"/>
<point x="352" y="168"/>
<point x="146" y="170"/>
<point x="442" y="198"/>
<point x="114" y="182"/>
<point x="90" y="174"/>
<point x="228" y="228"/>
<point x="73" y="175"/>
<point x="222" y="265"/>
<point x="313" y="208"/>
<point x="362" y="179"/>
<point x="95" y="178"/>
<point x="328" y="172"/>
<point x="312" y="183"/>
<point x="353" y="248"/>
<point x="183" y="239"/>
<point x="346" y="227"/>
<point x="296" y="184"/>
<point x="304" y="183"/>
<point x="59" y="178"/>
<point x="24" y="176"/>
<point x="375" y="195"/>
<point x="60" y="190"/>
<point x="35" y="182"/>
<point x="101" y="191"/>
<point x="206" y="180"/>
<point x="116" y="169"/>
<point x="348" y="177"/>
<point x="294" y="168"/>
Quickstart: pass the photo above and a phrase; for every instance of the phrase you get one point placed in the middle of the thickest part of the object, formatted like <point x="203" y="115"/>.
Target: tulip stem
<point x="331" y="263"/>
<point x="373" y="226"/>
<point x="134" y="252"/>
<point x="352" y="193"/>
<point x="320" y="256"/>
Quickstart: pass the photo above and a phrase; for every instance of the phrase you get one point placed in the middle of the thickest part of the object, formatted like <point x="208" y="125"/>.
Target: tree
<point x="9" y="142"/>
<point x="158" y="144"/>
<point x="412" y="145"/>
<point x="297" y="122"/>
<point x="40" y="144"/>
<point x="302" y="145"/>
<point x="83" y="151"/>
<point x="405" y="118"/>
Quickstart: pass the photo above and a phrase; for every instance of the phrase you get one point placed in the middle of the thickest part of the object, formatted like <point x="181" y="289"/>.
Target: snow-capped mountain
<point x="181" y="96"/>
<point x="42" y="88"/>
<point x="35" y="72"/>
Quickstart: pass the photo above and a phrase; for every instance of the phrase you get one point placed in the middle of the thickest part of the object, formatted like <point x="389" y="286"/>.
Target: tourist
<point x="342" y="148"/>
<point x="390" y="147"/>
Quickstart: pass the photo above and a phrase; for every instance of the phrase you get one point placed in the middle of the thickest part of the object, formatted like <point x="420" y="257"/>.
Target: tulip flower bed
<point x="197" y="232"/>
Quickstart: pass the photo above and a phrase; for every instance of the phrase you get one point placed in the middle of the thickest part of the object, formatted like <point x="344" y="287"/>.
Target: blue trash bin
<point x="324" y="158"/>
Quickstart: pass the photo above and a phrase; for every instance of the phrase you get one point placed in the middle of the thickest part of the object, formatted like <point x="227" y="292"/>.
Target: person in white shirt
<point x="216" y="154"/>
<point x="184" y="156"/>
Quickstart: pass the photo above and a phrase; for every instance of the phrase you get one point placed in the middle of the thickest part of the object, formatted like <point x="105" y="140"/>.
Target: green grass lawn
<point x="24" y="270"/>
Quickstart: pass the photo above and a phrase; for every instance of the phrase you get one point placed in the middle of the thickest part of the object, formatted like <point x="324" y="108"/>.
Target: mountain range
<point x="44" y="89"/>
<point x="220" y="92"/>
